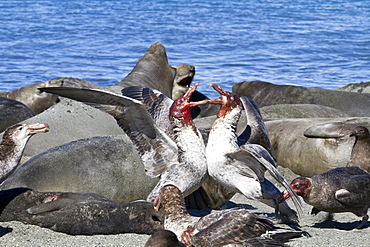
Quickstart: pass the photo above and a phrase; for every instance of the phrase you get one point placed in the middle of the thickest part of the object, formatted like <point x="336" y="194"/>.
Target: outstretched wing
<point x="157" y="104"/>
<point x="258" y="159"/>
<point x="255" y="131"/>
<point x="158" y="152"/>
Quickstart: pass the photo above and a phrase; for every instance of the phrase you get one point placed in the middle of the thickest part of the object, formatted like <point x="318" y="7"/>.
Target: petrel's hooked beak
<point x="37" y="128"/>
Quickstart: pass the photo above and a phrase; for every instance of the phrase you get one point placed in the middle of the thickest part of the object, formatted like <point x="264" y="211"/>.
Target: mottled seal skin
<point x="353" y="104"/>
<point x="78" y="214"/>
<point x="362" y="87"/>
<point x="105" y="165"/>
<point x="12" y="112"/>
<point x="314" y="145"/>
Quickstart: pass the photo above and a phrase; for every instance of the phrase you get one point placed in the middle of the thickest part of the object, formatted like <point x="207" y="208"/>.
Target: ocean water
<point x="313" y="43"/>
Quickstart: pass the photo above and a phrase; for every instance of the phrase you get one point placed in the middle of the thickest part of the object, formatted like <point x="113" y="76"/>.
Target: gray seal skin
<point x="152" y="71"/>
<point x="69" y="121"/>
<point x="353" y="104"/>
<point x="300" y="111"/>
<point x="310" y="146"/>
<point x="26" y="102"/>
<point x="183" y="78"/>
<point x="360" y="155"/>
<point x="78" y="213"/>
<point x="105" y="165"/>
<point x="12" y="112"/>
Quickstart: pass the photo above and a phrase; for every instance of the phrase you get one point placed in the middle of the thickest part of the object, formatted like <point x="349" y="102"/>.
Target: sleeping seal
<point x="91" y="213"/>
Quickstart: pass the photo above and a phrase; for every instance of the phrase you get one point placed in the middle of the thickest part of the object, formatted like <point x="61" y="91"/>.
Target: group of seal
<point x="164" y="146"/>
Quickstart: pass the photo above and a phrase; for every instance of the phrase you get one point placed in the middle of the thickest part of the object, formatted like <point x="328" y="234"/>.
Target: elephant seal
<point x="91" y="213"/>
<point x="105" y="165"/>
<point x="310" y="146"/>
<point x="182" y="80"/>
<point x="353" y="104"/>
<point x="12" y="112"/>
<point x="33" y="98"/>
<point x="38" y="101"/>
<point x="300" y="111"/>
<point x="360" y="155"/>
<point x="362" y="87"/>
<point x="152" y="70"/>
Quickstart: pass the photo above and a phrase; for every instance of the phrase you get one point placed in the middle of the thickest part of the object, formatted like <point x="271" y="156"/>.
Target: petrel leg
<point x="363" y="222"/>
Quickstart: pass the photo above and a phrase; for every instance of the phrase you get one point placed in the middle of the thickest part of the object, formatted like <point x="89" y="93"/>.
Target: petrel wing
<point x="157" y="104"/>
<point x="158" y="152"/>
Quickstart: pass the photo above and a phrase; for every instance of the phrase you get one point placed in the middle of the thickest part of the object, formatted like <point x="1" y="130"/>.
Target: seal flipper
<point x="50" y="206"/>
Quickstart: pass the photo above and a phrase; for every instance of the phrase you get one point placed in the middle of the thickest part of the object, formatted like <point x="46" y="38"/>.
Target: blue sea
<point x="313" y="43"/>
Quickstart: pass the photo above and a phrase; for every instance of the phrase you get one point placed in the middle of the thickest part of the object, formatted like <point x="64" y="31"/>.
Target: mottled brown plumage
<point x="13" y="143"/>
<point x="230" y="226"/>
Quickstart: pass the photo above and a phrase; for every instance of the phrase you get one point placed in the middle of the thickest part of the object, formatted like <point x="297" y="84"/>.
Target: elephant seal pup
<point x="353" y="104"/>
<point x="38" y="101"/>
<point x="105" y="165"/>
<point x="91" y="213"/>
<point x="12" y="112"/>
<point x="310" y="146"/>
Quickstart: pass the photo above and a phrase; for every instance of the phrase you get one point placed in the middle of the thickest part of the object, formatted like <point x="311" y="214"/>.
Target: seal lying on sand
<point x="310" y="146"/>
<point x="353" y="104"/>
<point x="161" y="129"/>
<point x="78" y="214"/>
<point x="105" y="165"/>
